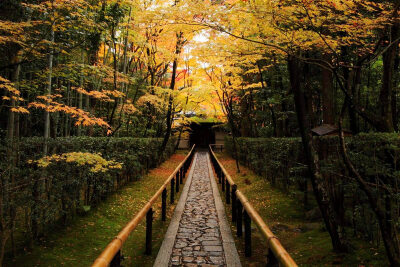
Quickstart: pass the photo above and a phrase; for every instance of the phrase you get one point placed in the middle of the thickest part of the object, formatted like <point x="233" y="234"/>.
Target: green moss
<point x="204" y="120"/>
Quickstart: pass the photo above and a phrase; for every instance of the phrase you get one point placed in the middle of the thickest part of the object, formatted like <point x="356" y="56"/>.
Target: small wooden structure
<point x="220" y="135"/>
<point x="202" y="134"/>
<point x="205" y="133"/>
<point x="328" y="130"/>
<point x="184" y="143"/>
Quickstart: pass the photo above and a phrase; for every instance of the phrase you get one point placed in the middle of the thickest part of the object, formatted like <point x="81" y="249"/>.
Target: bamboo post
<point x="116" y="261"/>
<point x="172" y="190"/>
<point x="149" y="230"/>
<point x="177" y="182"/>
<point x="234" y="210"/>
<point x="239" y="226"/>
<point x="247" y="234"/>
<point x="164" y="205"/>
<point x="186" y="166"/>
<point x="228" y="192"/>
<point x="223" y="181"/>
<point x="271" y="259"/>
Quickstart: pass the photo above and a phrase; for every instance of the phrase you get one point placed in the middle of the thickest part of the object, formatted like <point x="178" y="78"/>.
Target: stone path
<point x="199" y="234"/>
<point x="199" y="239"/>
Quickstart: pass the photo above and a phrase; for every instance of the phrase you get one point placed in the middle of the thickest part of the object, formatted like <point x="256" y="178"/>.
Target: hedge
<point x="36" y="198"/>
<point x="375" y="155"/>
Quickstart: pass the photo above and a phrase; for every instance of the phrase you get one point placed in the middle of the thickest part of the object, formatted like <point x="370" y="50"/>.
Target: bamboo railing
<point x="111" y="255"/>
<point x="243" y="211"/>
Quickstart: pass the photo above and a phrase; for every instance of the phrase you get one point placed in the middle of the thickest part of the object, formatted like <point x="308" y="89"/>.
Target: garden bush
<point x="37" y="194"/>
<point x="375" y="155"/>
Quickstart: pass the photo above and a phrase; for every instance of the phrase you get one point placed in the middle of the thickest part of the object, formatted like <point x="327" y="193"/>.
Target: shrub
<point x="375" y="155"/>
<point x="36" y="193"/>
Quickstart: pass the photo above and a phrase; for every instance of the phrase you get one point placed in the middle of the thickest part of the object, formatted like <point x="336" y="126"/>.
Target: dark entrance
<point x="202" y="134"/>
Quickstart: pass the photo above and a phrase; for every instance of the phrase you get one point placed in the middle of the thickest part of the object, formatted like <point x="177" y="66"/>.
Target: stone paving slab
<point x="198" y="240"/>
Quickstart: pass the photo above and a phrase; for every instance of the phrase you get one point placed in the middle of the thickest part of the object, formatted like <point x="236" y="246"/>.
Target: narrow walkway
<point x="203" y="237"/>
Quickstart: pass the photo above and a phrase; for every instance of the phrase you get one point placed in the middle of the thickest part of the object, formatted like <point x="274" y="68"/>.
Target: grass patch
<point x="306" y="241"/>
<point x="79" y="243"/>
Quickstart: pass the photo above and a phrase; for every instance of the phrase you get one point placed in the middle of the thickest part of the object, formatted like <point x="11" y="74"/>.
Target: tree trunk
<point x="235" y="132"/>
<point x="321" y="194"/>
<point x="235" y="151"/>
<point x="328" y="112"/>
<point x="182" y="126"/>
<point x="394" y="93"/>
<point x="351" y="81"/>
<point x="49" y="78"/>
<point x="80" y="103"/>
<point x="274" y="123"/>
<point x="284" y="122"/>
<point x="66" y="122"/>
<point x="115" y="78"/>
<point x="245" y="127"/>
<point x="11" y="116"/>
<point x="355" y="88"/>
<point x="179" y="44"/>
<point x="169" y="111"/>
<point x="4" y="235"/>
<point x="386" y="93"/>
